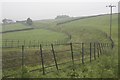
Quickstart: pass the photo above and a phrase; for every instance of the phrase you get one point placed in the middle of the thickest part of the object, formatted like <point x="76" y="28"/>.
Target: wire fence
<point x="7" y="43"/>
<point x="50" y="57"/>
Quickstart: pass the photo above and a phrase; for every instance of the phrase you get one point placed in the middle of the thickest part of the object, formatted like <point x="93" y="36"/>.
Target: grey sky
<point x="46" y="10"/>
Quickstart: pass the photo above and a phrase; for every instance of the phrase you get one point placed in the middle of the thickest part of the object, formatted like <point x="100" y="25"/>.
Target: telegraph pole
<point x="111" y="6"/>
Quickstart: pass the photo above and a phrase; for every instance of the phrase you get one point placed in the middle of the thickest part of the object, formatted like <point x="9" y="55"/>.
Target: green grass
<point x="40" y="35"/>
<point x="93" y="23"/>
<point x="84" y="30"/>
<point x="93" y="27"/>
<point x="15" y="26"/>
<point x="101" y="68"/>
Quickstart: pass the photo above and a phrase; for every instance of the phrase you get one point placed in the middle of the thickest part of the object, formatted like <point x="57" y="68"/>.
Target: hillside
<point x="13" y="27"/>
<point x="97" y="26"/>
<point x="87" y="30"/>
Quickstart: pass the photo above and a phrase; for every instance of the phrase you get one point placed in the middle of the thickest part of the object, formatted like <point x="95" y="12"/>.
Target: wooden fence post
<point x="90" y="52"/>
<point x="18" y="44"/>
<point x="42" y="61"/>
<point x="105" y="47"/>
<point x="94" y="51"/>
<point x="11" y="43"/>
<point x="34" y="43"/>
<point x="6" y="43"/>
<point x="98" y="49"/>
<point x="54" y="56"/>
<point x="71" y="47"/>
<point x="22" y="60"/>
<point x="102" y="48"/>
<point x="29" y="43"/>
<point x="83" y="53"/>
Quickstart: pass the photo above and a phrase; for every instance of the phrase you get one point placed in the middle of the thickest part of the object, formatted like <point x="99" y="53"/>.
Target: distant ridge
<point x="78" y="18"/>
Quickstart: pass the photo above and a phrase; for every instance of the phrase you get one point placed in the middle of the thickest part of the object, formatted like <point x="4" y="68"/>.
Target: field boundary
<point x="16" y="30"/>
<point x="91" y="52"/>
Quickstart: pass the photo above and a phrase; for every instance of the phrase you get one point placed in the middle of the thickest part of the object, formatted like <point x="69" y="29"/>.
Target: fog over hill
<point x="49" y="10"/>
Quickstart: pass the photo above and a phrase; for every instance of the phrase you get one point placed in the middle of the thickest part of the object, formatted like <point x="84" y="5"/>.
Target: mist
<point x="49" y="10"/>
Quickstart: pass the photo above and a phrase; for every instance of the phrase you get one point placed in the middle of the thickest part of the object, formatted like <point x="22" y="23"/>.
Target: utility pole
<point x="111" y="6"/>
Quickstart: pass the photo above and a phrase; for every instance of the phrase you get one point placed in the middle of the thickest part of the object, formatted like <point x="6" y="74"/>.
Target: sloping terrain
<point x="13" y="27"/>
<point x="92" y="29"/>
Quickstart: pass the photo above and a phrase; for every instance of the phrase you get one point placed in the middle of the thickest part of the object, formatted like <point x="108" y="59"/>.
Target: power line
<point x="111" y="6"/>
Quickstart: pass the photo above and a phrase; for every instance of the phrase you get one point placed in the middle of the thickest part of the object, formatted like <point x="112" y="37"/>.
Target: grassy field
<point x="37" y="34"/>
<point x="34" y="35"/>
<point x="15" y="26"/>
<point x="80" y="29"/>
<point x="100" y="23"/>
<point x="94" y="29"/>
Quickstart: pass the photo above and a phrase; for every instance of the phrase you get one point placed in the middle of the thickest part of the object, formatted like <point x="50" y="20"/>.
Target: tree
<point x="29" y="21"/>
<point x="4" y="21"/>
<point x="62" y="16"/>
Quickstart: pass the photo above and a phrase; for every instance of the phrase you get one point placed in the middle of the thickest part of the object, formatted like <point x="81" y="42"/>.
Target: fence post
<point x="83" y="53"/>
<point x="54" y="56"/>
<point x="71" y="47"/>
<point x="94" y="52"/>
<point x="102" y="48"/>
<point x="42" y="59"/>
<point x="90" y="52"/>
<point x="29" y="43"/>
<point x="11" y="43"/>
<point x="18" y="43"/>
<point x="98" y="49"/>
<point x="34" y="43"/>
<point x="6" y="43"/>
<point x="105" y="47"/>
<point x="111" y="45"/>
<point x="22" y="60"/>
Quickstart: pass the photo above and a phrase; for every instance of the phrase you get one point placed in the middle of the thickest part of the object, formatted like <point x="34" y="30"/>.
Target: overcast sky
<point x="49" y="10"/>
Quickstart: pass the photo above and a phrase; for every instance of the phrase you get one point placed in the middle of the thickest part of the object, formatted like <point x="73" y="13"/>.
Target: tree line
<point x="8" y="21"/>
